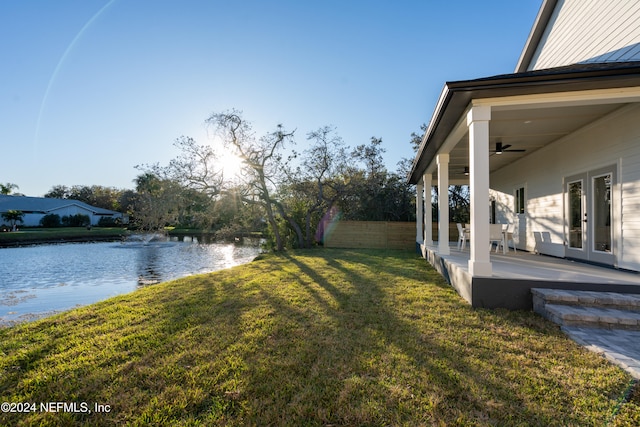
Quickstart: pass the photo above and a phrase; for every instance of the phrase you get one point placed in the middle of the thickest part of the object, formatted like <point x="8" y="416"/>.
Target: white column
<point x="428" y="217"/>
<point x="419" y="208"/>
<point x="443" y="204"/>
<point x="478" y="122"/>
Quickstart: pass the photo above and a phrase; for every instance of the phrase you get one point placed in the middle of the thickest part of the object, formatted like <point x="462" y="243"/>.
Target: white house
<point x="552" y="149"/>
<point x="35" y="208"/>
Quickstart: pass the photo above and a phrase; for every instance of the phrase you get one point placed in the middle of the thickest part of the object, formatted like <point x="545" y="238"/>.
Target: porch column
<point x="443" y="204"/>
<point x="419" y="208"/>
<point x="478" y="123"/>
<point x="428" y="217"/>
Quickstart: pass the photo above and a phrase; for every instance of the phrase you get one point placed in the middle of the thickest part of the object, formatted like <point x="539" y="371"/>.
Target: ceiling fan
<point x="500" y="148"/>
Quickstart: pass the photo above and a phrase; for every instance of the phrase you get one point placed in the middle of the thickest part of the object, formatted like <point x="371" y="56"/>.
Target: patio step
<point x="608" y="310"/>
<point x="587" y="298"/>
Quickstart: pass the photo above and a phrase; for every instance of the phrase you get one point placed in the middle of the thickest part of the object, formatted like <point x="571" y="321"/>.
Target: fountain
<point x="145" y="239"/>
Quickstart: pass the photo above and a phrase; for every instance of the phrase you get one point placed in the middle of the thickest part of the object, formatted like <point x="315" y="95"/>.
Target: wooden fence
<point x="378" y="234"/>
<point x="371" y="234"/>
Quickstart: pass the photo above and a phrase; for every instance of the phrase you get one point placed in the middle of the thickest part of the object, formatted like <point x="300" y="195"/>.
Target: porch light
<point x="466" y="170"/>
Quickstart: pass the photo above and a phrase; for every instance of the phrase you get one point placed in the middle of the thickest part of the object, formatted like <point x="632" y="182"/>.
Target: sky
<point x="91" y="88"/>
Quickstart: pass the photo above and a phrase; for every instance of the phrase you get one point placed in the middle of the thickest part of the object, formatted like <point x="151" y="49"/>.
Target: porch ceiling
<point x="528" y="111"/>
<point x="525" y="129"/>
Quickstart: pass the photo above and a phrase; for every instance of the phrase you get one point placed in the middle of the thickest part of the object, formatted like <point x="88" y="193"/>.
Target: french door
<point x="589" y="215"/>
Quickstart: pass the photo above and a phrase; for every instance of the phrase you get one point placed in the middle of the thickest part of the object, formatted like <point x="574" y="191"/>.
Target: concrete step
<point x="630" y="302"/>
<point x="594" y="317"/>
<point x="607" y="310"/>
<point x="605" y="322"/>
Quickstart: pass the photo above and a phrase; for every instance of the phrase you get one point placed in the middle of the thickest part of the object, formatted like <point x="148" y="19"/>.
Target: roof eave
<point x="456" y="97"/>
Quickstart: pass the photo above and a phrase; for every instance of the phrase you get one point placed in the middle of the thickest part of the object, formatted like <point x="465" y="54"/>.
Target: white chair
<point x="508" y="232"/>
<point x="496" y="236"/>
<point x="463" y="236"/>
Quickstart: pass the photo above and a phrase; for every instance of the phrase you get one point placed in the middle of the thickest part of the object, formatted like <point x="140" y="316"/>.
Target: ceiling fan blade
<point x="504" y="148"/>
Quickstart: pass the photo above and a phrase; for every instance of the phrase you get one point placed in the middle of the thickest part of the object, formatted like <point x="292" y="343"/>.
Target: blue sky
<point x="91" y="88"/>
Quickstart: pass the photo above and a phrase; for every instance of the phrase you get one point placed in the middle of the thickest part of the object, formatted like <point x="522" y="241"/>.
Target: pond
<point x="36" y="281"/>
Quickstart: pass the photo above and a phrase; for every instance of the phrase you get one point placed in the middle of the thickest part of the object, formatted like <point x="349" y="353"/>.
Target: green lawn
<point x="320" y="337"/>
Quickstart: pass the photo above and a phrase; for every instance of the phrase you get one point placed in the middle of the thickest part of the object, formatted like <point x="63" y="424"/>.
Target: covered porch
<point x="554" y="155"/>
<point x="515" y="273"/>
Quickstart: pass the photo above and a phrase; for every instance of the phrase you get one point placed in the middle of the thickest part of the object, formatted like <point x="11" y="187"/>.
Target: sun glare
<point x="231" y="164"/>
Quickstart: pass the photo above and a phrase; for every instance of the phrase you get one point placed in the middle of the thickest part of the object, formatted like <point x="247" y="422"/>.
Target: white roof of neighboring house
<point x="46" y="205"/>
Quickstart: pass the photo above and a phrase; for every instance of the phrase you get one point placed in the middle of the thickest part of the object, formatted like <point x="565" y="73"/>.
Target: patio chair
<point x="496" y="236"/>
<point x="463" y="236"/>
<point x="508" y="237"/>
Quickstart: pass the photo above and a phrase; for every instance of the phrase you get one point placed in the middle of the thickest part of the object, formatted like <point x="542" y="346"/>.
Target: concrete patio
<point x="515" y="273"/>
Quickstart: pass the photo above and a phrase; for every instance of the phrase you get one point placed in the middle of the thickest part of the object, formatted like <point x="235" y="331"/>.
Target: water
<point x="36" y="281"/>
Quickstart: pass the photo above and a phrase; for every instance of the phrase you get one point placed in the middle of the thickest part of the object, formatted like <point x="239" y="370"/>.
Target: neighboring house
<point x="552" y="149"/>
<point x="35" y="208"/>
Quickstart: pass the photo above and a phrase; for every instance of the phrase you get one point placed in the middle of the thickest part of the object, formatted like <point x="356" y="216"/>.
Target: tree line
<point x="283" y="193"/>
<point x="286" y="195"/>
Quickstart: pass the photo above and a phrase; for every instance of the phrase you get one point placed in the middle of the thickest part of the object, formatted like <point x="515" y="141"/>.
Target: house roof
<point x="457" y="96"/>
<point x="46" y="205"/>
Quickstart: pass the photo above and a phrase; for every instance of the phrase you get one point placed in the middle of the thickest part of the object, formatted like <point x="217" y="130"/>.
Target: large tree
<point x="263" y="164"/>
<point x="157" y="202"/>
<point x="319" y="181"/>
<point x="367" y="173"/>
<point x="94" y="195"/>
<point x="59" y="192"/>
<point x="196" y="167"/>
<point x="416" y="138"/>
<point x="375" y="193"/>
<point x="459" y="204"/>
<point x="197" y="170"/>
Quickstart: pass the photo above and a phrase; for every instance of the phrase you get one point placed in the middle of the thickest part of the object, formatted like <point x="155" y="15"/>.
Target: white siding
<point x="33" y="219"/>
<point x="590" y="31"/>
<point x="630" y="178"/>
<point x="614" y="140"/>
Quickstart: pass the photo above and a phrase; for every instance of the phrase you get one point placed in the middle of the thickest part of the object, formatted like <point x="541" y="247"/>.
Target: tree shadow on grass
<point x="150" y="356"/>
<point x="409" y="367"/>
<point x="313" y="338"/>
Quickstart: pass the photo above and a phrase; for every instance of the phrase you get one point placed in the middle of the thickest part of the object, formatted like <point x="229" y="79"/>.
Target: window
<point x="492" y="213"/>
<point x="519" y="201"/>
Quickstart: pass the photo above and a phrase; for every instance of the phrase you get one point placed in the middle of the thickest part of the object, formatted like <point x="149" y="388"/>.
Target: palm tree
<point x="7" y="188"/>
<point x="13" y="216"/>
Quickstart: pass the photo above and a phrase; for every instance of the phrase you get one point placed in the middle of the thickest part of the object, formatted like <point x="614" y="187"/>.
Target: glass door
<point x="600" y="224"/>
<point x="576" y="217"/>
<point x="589" y="213"/>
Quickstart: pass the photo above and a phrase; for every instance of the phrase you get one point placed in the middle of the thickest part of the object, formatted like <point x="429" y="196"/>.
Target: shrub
<point x="77" y="220"/>
<point x="51" y="221"/>
<point x="109" y="222"/>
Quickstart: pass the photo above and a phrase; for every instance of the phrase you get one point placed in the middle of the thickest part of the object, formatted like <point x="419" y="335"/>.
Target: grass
<point x="39" y="234"/>
<point x="320" y="337"/>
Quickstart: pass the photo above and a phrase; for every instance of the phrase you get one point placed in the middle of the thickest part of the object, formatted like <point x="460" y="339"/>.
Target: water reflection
<point x="37" y="280"/>
<point x="148" y="265"/>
